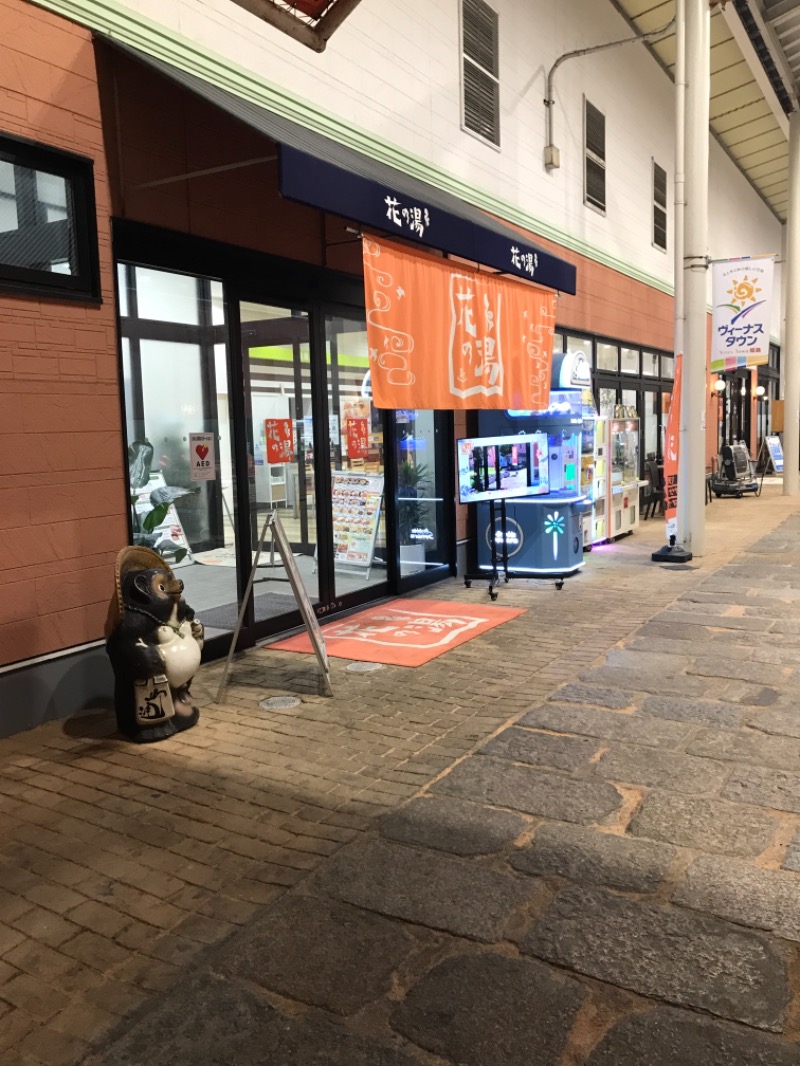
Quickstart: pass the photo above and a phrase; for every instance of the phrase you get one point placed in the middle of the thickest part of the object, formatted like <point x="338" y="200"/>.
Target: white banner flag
<point x="742" y="299"/>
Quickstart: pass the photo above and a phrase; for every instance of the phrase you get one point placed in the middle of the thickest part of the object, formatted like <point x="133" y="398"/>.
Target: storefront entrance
<point x="282" y="387"/>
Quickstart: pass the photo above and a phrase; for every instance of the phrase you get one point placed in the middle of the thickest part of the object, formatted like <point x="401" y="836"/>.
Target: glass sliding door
<point x="174" y="368"/>
<point x="281" y="454"/>
<point x="422" y="439"/>
<point x="650" y="438"/>
<point x="356" y="435"/>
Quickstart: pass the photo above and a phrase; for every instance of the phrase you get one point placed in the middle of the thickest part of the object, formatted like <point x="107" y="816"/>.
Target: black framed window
<point x="594" y="173"/>
<point x="480" y="69"/>
<point x="650" y="364"/>
<point x="48" y="226"/>
<point x="659" y="206"/>
<point x="629" y="361"/>
<point x="608" y="357"/>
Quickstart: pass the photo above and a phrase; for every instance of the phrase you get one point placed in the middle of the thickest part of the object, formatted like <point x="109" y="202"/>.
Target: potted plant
<point x="146" y="527"/>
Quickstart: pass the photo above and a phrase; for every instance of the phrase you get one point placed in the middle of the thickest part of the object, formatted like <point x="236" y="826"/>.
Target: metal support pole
<point x="680" y="197"/>
<point x="791" y="347"/>
<point x="691" y="494"/>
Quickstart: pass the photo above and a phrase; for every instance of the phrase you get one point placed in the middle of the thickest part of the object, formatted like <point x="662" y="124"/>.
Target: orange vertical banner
<point x="671" y="445"/>
<point x="280" y="444"/>
<point x="445" y="336"/>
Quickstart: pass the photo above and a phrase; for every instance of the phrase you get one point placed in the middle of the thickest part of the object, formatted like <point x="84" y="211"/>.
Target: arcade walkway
<point x="574" y="841"/>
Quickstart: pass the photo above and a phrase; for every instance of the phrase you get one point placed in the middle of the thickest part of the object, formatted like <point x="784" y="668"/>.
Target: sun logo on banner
<point x="555" y="524"/>
<point x="743" y="292"/>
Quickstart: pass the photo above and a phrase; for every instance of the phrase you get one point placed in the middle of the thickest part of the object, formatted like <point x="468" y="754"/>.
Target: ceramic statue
<point x="154" y="643"/>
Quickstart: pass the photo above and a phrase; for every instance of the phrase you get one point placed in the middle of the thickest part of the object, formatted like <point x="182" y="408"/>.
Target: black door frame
<point x="321" y="292"/>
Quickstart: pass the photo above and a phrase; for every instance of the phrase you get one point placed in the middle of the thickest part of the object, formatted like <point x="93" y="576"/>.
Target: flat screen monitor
<point x="494" y="468"/>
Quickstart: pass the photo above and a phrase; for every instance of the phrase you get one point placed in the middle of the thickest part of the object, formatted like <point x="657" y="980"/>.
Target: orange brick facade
<point x="62" y="489"/>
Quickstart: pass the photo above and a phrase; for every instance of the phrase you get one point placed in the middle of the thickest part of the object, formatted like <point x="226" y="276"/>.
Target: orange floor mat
<point x="404" y="632"/>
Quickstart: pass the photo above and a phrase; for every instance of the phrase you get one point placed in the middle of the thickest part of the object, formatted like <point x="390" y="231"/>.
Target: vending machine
<point x="594" y="480"/>
<point x="624" y="481"/>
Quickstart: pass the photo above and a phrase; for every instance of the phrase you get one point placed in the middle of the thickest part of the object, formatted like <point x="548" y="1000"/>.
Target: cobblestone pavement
<point x="574" y="840"/>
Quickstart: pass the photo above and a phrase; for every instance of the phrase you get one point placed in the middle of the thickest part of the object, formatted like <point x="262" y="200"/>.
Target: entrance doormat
<point x="268" y="605"/>
<point x="227" y="557"/>
<point x="404" y="632"/>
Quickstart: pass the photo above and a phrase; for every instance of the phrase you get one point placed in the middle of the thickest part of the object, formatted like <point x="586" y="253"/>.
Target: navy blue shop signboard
<point x="372" y="203"/>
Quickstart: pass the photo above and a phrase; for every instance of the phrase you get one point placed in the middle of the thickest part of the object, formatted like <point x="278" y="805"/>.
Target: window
<point x="607" y="357"/>
<point x="48" y="229"/>
<point x="481" y="87"/>
<point x="629" y="398"/>
<point x="606" y="402"/>
<point x="667" y="366"/>
<point x="580" y="344"/>
<point x="659" y="206"/>
<point x="630" y="361"/>
<point x="650" y="364"/>
<point x="594" y="129"/>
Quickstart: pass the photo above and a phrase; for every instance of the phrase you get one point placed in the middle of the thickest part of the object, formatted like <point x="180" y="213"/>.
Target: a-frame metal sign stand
<point x="273" y="526"/>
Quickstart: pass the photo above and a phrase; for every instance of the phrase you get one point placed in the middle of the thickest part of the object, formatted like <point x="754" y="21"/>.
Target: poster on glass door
<point x="357" y="502"/>
<point x="202" y="448"/>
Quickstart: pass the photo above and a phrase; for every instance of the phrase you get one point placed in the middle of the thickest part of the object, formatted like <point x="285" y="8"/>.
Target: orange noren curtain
<point x="444" y="336"/>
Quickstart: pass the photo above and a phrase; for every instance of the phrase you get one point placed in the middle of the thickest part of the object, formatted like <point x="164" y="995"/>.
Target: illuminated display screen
<point x="494" y="468"/>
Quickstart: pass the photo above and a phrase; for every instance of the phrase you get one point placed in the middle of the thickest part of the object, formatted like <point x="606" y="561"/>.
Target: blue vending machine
<point x="544" y="533"/>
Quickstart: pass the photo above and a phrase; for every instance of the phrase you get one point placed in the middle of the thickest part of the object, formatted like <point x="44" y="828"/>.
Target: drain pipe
<point x="552" y="156"/>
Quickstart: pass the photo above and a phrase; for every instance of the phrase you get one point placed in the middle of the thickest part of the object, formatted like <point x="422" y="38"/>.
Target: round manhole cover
<point x="280" y="703"/>
<point x="364" y="668"/>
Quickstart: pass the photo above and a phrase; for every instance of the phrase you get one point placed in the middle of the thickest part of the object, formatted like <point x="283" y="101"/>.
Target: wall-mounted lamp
<point x="743" y="390"/>
<point x="760" y="390"/>
<point x="720" y="385"/>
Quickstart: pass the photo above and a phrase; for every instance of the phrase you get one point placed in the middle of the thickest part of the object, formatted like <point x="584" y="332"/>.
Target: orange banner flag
<point x="671" y="444"/>
<point x="445" y="336"/>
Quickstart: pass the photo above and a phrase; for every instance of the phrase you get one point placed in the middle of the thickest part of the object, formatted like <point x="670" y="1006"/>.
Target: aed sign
<point x="202" y="456"/>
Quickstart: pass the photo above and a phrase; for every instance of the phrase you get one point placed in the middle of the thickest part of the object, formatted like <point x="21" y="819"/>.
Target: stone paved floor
<point x="589" y="853"/>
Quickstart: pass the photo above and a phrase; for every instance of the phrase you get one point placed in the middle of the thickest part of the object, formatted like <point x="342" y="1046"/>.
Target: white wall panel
<point x="740" y="223"/>
<point x="393" y="69"/>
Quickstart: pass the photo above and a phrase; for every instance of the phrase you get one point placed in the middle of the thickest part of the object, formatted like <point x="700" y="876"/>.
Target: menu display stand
<point x="357" y="506"/>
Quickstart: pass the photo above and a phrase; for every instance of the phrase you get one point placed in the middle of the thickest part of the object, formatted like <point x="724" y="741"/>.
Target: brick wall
<point x="157" y="130"/>
<point x="62" y="493"/>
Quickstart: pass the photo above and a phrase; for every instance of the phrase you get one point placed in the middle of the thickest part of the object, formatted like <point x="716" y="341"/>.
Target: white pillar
<point x="790" y="355"/>
<point x="691" y="494"/>
<point x="680" y="194"/>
